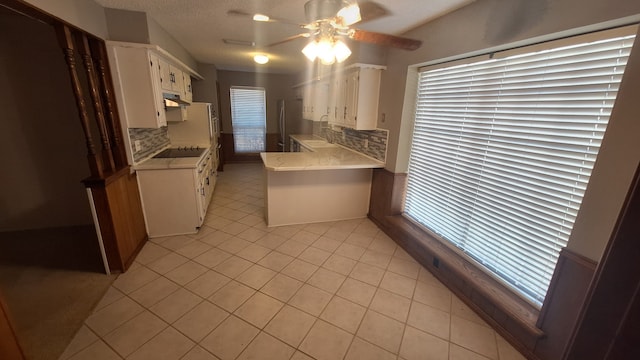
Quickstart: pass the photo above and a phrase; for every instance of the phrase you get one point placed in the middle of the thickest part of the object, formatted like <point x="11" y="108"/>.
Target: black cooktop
<point x="180" y="152"/>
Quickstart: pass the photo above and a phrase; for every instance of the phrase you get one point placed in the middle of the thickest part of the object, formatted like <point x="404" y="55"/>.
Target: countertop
<point x="321" y="158"/>
<point x="170" y="163"/>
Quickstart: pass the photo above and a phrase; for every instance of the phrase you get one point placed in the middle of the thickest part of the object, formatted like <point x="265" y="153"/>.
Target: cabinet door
<point x="307" y="102"/>
<point x="368" y="94"/>
<point x="351" y="98"/>
<point x="166" y="81"/>
<point x="135" y="73"/>
<point x="321" y="101"/>
<point x="188" y="93"/>
<point x="177" y="83"/>
<point x="161" y="115"/>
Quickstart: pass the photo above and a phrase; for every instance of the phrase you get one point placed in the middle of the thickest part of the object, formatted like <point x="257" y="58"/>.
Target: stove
<point x="181" y="152"/>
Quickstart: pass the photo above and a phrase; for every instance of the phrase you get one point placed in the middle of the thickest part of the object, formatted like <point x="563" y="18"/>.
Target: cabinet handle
<point x="344" y="116"/>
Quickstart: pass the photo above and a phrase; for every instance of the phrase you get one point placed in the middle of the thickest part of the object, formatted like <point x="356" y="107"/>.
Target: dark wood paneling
<point x="9" y="347"/>
<point x="608" y="321"/>
<point x="119" y="210"/>
<point x="386" y="194"/>
<point x="512" y="317"/>
<point x="566" y="294"/>
<point x="230" y="156"/>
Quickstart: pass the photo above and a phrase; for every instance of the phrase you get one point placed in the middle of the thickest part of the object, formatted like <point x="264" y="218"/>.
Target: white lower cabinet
<point x="175" y="201"/>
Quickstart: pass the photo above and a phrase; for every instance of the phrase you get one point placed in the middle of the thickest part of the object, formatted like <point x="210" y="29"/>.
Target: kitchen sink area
<point x="322" y="182"/>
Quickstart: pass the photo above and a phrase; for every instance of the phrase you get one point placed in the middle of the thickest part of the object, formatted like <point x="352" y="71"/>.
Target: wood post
<point x="99" y="54"/>
<point x="65" y="39"/>
<point x="85" y="53"/>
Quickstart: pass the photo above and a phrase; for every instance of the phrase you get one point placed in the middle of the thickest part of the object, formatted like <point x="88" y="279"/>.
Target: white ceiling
<point x="200" y="26"/>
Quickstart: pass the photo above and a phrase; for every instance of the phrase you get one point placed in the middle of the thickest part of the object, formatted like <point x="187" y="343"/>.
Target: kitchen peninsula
<point x="327" y="183"/>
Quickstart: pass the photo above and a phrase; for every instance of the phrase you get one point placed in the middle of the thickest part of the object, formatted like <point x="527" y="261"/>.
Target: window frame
<point x="627" y="30"/>
<point x="237" y="137"/>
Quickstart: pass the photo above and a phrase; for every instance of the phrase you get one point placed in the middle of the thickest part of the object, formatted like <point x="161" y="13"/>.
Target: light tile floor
<point x="240" y="290"/>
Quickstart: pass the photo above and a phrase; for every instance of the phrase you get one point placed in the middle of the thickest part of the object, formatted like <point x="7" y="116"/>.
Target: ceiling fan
<point x="330" y="21"/>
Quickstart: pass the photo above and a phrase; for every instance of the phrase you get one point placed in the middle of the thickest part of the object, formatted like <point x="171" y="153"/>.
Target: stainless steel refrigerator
<point x="290" y="122"/>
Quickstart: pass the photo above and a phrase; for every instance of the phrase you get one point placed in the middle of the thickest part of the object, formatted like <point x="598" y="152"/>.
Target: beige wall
<point x="85" y="14"/>
<point x="128" y="26"/>
<point x="500" y="24"/>
<point x="112" y="24"/>
<point x="205" y="90"/>
<point x="41" y="142"/>
<point x="277" y="87"/>
<point x="159" y="36"/>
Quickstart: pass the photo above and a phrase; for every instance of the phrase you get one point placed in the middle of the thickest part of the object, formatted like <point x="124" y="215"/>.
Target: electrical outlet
<point x="138" y="145"/>
<point x="366" y="143"/>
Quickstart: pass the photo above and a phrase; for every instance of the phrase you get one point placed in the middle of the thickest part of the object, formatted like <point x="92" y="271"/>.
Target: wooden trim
<point x="9" y="346"/>
<point x="426" y="249"/>
<point x="606" y="327"/>
<point x="511" y="317"/>
<point x="385" y="182"/>
<point x="65" y="39"/>
<point x="230" y="156"/>
<point x="99" y="53"/>
<point x="565" y="296"/>
<point x="119" y="211"/>
<point x="98" y="109"/>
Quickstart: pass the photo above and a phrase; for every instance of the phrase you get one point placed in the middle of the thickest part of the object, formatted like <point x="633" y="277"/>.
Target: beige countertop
<point x="170" y="163"/>
<point x="324" y="156"/>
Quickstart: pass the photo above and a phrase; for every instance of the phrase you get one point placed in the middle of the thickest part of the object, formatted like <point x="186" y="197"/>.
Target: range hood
<point x="173" y="101"/>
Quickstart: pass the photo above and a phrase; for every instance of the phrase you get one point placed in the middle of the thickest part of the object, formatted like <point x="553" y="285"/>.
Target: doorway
<point x="51" y="271"/>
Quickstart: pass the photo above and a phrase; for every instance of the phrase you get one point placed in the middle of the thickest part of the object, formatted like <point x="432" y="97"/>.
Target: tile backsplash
<point x="372" y="143"/>
<point x="151" y="140"/>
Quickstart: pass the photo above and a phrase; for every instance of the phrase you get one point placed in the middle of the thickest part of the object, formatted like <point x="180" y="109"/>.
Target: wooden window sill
<point x="497" y="304"/>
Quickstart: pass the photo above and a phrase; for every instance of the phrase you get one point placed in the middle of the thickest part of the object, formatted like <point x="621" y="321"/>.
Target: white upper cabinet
<point x="356" y="91"/>
<point x="320" y="101"/>
<point x="141" y="74"/>
<point x="188" y="93"/>
<point x="172" y="79"/>
<point x="347" y="98"/>
<point x="136" y="79"/>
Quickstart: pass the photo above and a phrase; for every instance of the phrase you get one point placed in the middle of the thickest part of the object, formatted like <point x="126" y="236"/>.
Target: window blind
<point x="502" y="152"/>
<point x="248" y="118"/>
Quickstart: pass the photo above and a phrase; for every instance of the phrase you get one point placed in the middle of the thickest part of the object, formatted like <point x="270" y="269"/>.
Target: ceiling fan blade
<point x="384" y="39"/>
<point x="370" y="10"/>
<point x="290" y="38"/>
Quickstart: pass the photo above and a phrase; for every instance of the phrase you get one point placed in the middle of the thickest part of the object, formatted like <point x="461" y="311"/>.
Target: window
<point x="248" y="117"/>
<point x="502" y="152"/>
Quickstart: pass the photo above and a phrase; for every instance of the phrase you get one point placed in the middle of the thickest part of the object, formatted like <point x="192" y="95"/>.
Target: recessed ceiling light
<point x="260" y="17"/>
<point x="239" y="42"/>
<point x="261" y="59"/>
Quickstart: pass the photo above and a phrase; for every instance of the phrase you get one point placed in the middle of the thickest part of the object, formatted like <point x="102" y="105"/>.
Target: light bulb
<point x="311" y="50"/>
<point x="341" y="51"/>
<point x="261" y="59"/>
<point x="260" y="17"/>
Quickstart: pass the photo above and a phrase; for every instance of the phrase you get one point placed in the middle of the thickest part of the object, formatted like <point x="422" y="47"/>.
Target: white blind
<point x="502" y="152"/>
<point x="248" y="118"/>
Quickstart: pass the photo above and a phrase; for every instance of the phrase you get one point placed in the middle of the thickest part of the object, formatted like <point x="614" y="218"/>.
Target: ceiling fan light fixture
<point x="311" y="50"/>
<point x="350" y="14"/>
<point x="261" y="59"/>
<point x="341" y="51"/>
<point x="261" y="17"/>
<point x="327" y="50"/>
